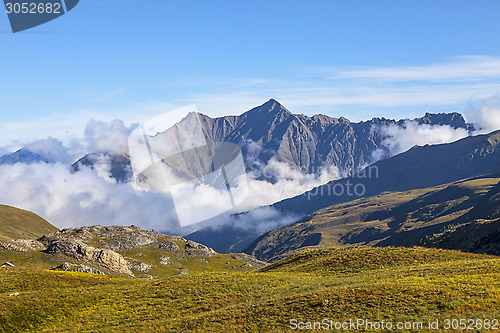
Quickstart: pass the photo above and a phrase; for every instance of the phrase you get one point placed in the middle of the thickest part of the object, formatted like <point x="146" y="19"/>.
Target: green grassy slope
<point x="347" y="260"/>
<point x="20" y="224"/>
<point x="425" y="284"/>
<point x="150" y="255"/>
<point x="388" y="219"/>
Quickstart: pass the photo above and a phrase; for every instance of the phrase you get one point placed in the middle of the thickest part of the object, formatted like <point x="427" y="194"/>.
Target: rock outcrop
<point x="195" y="249"/>
<point x="115" y="238"/>
<point x="21" y="245"/>
<point x="122" y="251"/>
<point x="172" y="247"/>
<point x="75" y="248"/>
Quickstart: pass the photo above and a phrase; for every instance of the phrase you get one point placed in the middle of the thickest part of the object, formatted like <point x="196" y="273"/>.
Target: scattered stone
<point x="245" y="265"/>
<point x="68" y="267"/>
<point x="195" y="249"/>
<point x="203" y="260"/>
<point x="250" y="261"/>
<point x="137" y="265"/>
<point x="172" y="247"/>
<point x="183" y="272"/>
<point x="145" y="276"/>
<point x="165" y="261"/>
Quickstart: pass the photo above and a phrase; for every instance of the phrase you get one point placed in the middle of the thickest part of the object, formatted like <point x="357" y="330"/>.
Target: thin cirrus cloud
<point x="108" y="96"/>
<point x="439" y="87"/>
<point x="310" y="100"/>
<point x="461" y="68"/>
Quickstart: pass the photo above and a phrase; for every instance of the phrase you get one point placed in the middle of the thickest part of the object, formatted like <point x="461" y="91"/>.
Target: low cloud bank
<point x="69" y="199"/>
<point x="398" y="139"/>
<point x="90" y="197"/>
<point x="485" y="118"/>
<point x="486" y="115"/>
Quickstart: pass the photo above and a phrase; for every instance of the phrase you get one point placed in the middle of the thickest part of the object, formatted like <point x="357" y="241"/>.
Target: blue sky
<point x="135" y="59"/>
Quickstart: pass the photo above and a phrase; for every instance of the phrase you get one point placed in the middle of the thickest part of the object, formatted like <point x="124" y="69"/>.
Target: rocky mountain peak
<point x="271" y="108"/>
<point x="453" y="119"/>
<point x="272" y="131"/>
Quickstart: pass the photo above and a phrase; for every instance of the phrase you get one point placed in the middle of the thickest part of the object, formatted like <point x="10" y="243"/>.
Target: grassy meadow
<point x="390" y="284"/>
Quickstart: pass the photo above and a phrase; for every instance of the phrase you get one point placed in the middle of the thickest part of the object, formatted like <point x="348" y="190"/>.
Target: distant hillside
<point x="418" y="168"/>
<point x="121" y="170"/>
<point x="477" y="231"/>
<point x="389" y="219"/>
<point x="349" y="260"/>
<point x="20" y="224"/>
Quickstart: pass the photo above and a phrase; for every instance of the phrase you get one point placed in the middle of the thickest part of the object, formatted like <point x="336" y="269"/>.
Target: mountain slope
<point x="419" y="167"/>
<point x="389" y="219"/>
<point x="20" y="224"/>
<point x="308" y="143"/>
<point x="120" y="168"/>
<point x="477" y="231"/>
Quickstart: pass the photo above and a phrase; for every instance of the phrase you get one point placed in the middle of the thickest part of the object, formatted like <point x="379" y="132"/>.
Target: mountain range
<point x="271" y="131"/>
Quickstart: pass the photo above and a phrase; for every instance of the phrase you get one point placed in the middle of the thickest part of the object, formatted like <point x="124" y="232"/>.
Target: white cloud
<point x="485" y="116"/>
<point x="75" y="199"/>
<point x="51" y="148"/>
<point x="345" y="98"/>
<point x="92" y="197"/>
<point x="257" y="221"/>
<point x="107" y="137"/>
<point x="399" y="139"/>
<point x="71" y="125"/>
<point x="290" y="182"/>
<point x="354" y="93"/>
